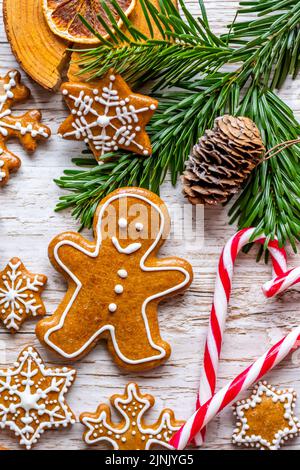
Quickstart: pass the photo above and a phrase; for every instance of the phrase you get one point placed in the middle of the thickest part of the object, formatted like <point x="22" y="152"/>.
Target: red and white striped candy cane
<point x="229" y="393"/>
<point x="282" y="282"/>
<point x="220" y="305"/>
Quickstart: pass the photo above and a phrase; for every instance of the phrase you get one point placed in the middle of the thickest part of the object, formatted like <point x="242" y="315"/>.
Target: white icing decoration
<point x="4" y="126"/>
<point x="151" y="433"/>
<point x="2" y="173"/>
<point x="287" y="396"/>
<point x="94" y="254"/>
<point x="125" y="114"/>
<point x="32" y="399"/>
<point x="119" y="289"/>
<point x="139" y="227"/>
<point x="122" y="223"/>
<point x="129" y="250"/>
<point x="112" y="308"/>
<point x="122" y="273"/>
<point x="14" y="296"/>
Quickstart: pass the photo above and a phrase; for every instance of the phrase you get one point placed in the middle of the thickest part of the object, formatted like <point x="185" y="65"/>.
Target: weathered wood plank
<point x="27" y="224"/>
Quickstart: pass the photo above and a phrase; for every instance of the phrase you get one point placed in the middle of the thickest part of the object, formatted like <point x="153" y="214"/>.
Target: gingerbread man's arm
<point x="169" y="276"/>
<point x="69" y="250"/>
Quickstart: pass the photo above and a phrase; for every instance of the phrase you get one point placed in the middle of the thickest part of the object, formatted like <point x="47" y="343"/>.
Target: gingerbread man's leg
<point x="74" y="327"/>
<point x="135" y="340"/>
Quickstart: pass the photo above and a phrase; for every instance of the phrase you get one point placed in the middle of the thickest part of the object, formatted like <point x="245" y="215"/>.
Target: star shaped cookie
<point x="32" y="397"/>
<point x="20" y="293"/>
<point x="131" y="433"/>
<point x="108" y="116"/>
<point x="266" y="419"/>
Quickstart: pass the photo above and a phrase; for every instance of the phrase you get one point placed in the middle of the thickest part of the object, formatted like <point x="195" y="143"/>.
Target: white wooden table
<point x="28" y="223"/>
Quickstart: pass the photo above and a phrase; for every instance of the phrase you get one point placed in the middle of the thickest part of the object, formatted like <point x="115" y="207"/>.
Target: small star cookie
<point x="131" y="433"/>
<point x="27" y="128"/>
<point x="108" y="116"/>
<point x="32" y="397"/>
<point x="20" y="295"/>
<point x="266" y="419"/>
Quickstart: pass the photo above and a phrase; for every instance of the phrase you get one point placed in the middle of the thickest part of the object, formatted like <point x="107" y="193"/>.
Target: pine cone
<point x="222" y="160"/>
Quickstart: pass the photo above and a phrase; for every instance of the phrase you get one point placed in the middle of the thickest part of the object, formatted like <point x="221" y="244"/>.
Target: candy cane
<point x="282" y="282"/>
<point x="204" y="414"/>
<point x="220" y="305"/>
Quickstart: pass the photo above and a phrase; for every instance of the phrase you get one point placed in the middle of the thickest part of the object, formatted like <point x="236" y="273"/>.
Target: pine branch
<point x="88" y="187"/>
<point x="271" y="197"/>
<point x="187" y="47"/>
<point x="275" y="34"/>
<point x="181" y="119"/>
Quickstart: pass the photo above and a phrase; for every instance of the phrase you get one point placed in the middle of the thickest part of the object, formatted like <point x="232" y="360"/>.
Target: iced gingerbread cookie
<point x="116" y="282"/>
<point x="20" y="293"/>
<point x="27" y="128"/>
<point x="32" y="397"/>
<point x="132" y="432"/>
<point x="108" y="116"/>
<point x="266" y="420"/>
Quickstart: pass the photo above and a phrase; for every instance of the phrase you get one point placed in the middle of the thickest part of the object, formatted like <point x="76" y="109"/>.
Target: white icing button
<point x="139" y="227"/>
<point x="119" y="289"/>
<point x="122" y="223"/>
<point x="112" y="308"/>
<point x="122" y="273"/>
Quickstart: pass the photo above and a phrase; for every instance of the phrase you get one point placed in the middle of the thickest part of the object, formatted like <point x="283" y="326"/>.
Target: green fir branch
<point x="187" y="47"/>
<point x="274" y="33"/>
<point x="271" y="199"/>
<point x="263" y="51"/>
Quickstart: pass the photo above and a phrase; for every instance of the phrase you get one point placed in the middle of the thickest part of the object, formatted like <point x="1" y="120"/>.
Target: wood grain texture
<point x="43" y="55"/>
<point x="28" y="223"/>
<point x="40" y="53"/>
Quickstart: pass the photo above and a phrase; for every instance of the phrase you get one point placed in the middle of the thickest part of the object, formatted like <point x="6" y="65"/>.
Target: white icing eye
<point x="122" y="222"/>
<point x="139" y="227"/>
<point x="122" y="273"/>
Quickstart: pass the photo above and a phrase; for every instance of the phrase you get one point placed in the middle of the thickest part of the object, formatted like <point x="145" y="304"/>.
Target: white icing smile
<point x="132" y="248"/>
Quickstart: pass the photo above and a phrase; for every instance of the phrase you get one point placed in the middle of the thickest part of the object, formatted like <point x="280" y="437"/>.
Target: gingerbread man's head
<point x="133" y="221"/>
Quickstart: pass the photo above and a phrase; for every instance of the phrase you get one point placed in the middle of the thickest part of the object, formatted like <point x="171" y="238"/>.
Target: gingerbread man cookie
<point x="32" y="397"/>
<point x="116" y="282"/>
<point x="131" y="433"/>
<point x="20" y="293"/>
<point x="27" y="128"/>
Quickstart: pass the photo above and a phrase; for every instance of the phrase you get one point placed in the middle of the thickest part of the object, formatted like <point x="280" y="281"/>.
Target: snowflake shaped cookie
<point x="27" y="128"/>
<point x="108" y="116"/>
<point x="32" y="397"/>
<point x="132" y="433"/>
<point x="266" y="420"/>
<point x="20" y="294"/>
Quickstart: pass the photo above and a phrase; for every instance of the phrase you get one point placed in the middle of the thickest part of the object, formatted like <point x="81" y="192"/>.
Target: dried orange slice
<point x="63" y="18"/>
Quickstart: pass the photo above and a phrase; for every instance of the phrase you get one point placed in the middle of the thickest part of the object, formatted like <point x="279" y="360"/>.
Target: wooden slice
<point x="42" y="54"/>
